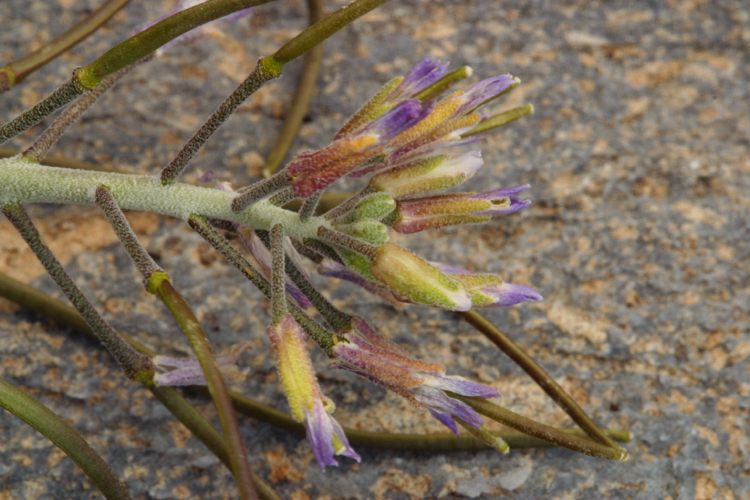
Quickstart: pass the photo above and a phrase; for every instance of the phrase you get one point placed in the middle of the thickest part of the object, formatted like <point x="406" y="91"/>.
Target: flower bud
<point x="429" y="174"/>
<point x="404" y="273"/>
<point x="376" y="206"/>
<point x="489" y="290"/>
<point x="373" y="232"/>
<point x="418" y="214"/>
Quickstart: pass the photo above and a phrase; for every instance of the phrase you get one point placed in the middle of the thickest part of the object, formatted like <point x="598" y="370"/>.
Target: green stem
<point x="444" y="83"/>
<point x="323" y="29"/>
<point x="541" y="431"/>
<point x="63" y="436"/>
<point x="302" y="96"/>
<point x="541" y="377"/>
<point x="205" y="432"/>
<point x="21" y="68"/>
<point x="157" y="35"/>
<point x="65" y="315"/>
<point x="216" y="386"/>
<point x="134" y="364"/>
<point x="500" y="119"/>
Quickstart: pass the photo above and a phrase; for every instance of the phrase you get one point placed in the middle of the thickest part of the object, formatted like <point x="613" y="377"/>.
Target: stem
<point x="205" y="432"/>
<point x="265" y="70"/>
<point x="64" y="437"/>
<point x="157" y="35"/>
<point x="351" y="202"/>
<point x="49" y="137"/>
<point x="541" y="431"/>
<point x="65" y="315"/>
<point x="337" y="319"/>
<point x="21" y="68"/>
<point x="58" y="161"/>
<point x="324" y="28"/>
<point x="301" y="100"/>
<point x="56" y="100"/>
<point x="216" y="386"/>
<point x="493" y="441"/>
<point x="24" y="182"/>
<point x="278" y="285"/>
<point x="307" y="209"/>
<point x="133" y="363"/>
<point x="320" y="335"/>
<point x="541" y="377"/>
<point x="348" y="242"/>
<point x="254" y="193"/>
<point x="143" y="261"/>
<point x="500" y="119"/>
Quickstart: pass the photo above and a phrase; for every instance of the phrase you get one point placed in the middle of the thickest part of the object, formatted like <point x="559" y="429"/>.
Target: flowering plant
<point x="407" y="138"/>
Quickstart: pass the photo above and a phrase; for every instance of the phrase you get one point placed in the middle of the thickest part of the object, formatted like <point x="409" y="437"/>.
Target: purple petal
<point x="484" y="91"/>
<point x="447" y="268"/>
<point x="446" y="420"/>
<point x="509" y="294"/>
<point x="420" y="76"/>
<point x="461" y="386"/>
<point x="516" y="204"/>
<point x="320" y="435"/>
<point x="401" y="117"/>
<point x="336" y="270"/>
<point x="437" y="400"/>
<point x="503" y="193"/>
<point x="183" y="376"/>
<point x="346" y="450"/>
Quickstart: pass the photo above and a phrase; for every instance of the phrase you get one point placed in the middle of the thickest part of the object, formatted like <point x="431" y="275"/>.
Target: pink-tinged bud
<point x="419" y="214"/>
<point x="429" y="174"/>
<point x="336" y="270"/>
<point x="314" y="171"/>
<point x="307" y="402"/>
<point x="406" y="274"/>
<point x="372" y="356"/>
<point x="489" y="290"/>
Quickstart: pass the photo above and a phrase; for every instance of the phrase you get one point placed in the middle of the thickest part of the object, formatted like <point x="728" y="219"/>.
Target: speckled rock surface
<point x="639" y="160"/>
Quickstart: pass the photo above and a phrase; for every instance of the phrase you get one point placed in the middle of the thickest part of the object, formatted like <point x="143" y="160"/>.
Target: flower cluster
<point x="403" y="139"/>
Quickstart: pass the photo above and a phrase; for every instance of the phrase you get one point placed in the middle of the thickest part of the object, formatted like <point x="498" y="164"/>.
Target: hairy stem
<point x="301" y="100"/>
<point x="63" y="436"/>
<point x="65" y="315"/>
<point x="133" y="363"/>
<point x="56" y="100"/>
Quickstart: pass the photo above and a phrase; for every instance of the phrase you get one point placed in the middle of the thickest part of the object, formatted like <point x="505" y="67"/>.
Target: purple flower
<point x="418" y="214"/>
<point x="379" y="360"/>
<point x="188" y="371"/>
<point x="486" y="90"/>
<point x="306" y="401"/>
<point x="489" y="290"/>
<point x="420" y="76"/>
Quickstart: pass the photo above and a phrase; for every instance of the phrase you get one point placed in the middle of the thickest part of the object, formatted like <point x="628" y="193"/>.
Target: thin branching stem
<point x="19" y="69"/>
<point x="320" y="335"/>
<point x="133" y="363"/>
<point x="278" y="283"/>
<point x="216" y="385"/>
<point x="541" y="431"/>
<point x="65" y="315"/>
<point x="65" y="437"/>
<point x="302" y="96"/>
<point x="56" y="100"/>
<point x="541" y="377"/>
<point x="142" y="260"/>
